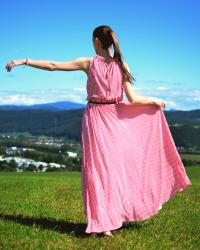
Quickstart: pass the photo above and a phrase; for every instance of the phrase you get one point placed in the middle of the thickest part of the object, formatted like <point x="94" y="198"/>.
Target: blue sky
<point x="160" y="40"/>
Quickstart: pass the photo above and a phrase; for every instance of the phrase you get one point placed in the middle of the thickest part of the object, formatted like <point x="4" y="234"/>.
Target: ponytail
<point x="118" y="56"/>
<point x="108" y="38"/>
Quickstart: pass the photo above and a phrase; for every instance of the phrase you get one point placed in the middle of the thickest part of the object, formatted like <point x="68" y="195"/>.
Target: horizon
<point x="160" y="42"/>
<point x="80" y="103"/>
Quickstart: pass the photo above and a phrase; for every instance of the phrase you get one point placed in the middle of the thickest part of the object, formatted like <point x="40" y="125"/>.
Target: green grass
<point x="190" y="156"/>
<point x="45" y="211"/>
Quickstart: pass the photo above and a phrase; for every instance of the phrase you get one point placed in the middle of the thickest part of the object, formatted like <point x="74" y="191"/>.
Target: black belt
<point x="103" y="102"/>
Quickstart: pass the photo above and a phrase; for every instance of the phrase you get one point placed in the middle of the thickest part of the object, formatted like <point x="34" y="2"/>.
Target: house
<point x="71" y="154"/>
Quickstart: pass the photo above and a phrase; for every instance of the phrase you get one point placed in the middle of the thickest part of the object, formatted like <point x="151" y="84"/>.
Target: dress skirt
<point x="130" y="164"/>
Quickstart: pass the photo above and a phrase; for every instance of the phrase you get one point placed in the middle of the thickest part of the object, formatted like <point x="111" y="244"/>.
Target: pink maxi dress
<point x="130" y="164"/>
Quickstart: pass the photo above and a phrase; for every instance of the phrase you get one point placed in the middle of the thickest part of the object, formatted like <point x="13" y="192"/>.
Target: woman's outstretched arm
<point x="80" y="63"/>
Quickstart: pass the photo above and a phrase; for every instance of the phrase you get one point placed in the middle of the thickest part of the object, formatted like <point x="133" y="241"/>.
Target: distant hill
<point x="46" y="106"/>
<point x="42" y="122"/>
<point x="179" y="116"/>
<point x="66" y="105"/>
<point x="184" y="125"/>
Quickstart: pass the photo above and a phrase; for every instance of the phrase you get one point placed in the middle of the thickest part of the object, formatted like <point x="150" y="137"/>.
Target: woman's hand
<point x="159" y="102"/>
<point x="14" y="63"/>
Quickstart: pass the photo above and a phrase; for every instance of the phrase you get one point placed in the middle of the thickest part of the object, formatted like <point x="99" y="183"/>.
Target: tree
<point x="40" y="167"/>
<point x="31" y="167"/>
<point x="13" y="165"/>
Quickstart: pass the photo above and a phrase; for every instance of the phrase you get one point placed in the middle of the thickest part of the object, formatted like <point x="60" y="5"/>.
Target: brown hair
<point x="108" y="38"/>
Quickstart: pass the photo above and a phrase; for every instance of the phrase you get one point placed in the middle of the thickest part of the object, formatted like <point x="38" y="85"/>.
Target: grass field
<point x="190" y="157"/>
<point x="45" y="211"/>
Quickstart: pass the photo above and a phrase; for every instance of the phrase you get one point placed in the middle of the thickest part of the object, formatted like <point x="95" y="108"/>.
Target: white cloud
<point x="80" y="89"/>
<point x="161" y="88"/>
<point x="41" y="96"/>
<point x="177" y="92"/>
<point x="194" y="93"/>
<point x="183" y="99"/>
<point x="156" y="81"/>
<point x="176" y="98"/>
<point x="163" y="82"/>
<point x="171" y="104"/>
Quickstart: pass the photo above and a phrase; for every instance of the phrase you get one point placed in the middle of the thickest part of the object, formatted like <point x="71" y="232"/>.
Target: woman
<point x="130" y="165"/>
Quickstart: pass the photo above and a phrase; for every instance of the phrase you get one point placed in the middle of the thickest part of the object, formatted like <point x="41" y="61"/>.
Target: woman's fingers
<point x="9" y="66"/>
<point x="163" y="104"/>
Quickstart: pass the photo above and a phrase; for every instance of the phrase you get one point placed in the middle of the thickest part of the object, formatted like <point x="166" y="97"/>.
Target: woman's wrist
<point x="153" y="100"/>
<point x="24" y="61"/>
<point x="20" y="62"/>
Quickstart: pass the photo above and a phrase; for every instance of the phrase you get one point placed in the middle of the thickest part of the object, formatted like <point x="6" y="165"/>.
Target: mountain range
<point x="64" y="105"/>
<point x="64" y="119"/>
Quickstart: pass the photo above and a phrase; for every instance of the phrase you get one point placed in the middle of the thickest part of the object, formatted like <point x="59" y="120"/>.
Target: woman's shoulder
<point x="88" y="59"/>
<point x="84" y="59"/>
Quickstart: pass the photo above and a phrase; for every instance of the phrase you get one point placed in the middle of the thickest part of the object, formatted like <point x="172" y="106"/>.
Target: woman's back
<point x="105" y="80"/>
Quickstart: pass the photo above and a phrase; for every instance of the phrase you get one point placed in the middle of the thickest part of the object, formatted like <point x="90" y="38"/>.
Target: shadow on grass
<point x="59" y="225"/>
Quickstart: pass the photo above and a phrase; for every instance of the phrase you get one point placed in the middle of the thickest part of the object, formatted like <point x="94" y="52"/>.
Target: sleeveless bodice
<point x="105" y="80"/>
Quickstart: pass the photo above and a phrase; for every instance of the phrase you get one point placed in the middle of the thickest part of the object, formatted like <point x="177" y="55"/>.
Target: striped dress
<point x="130" y="164"/>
